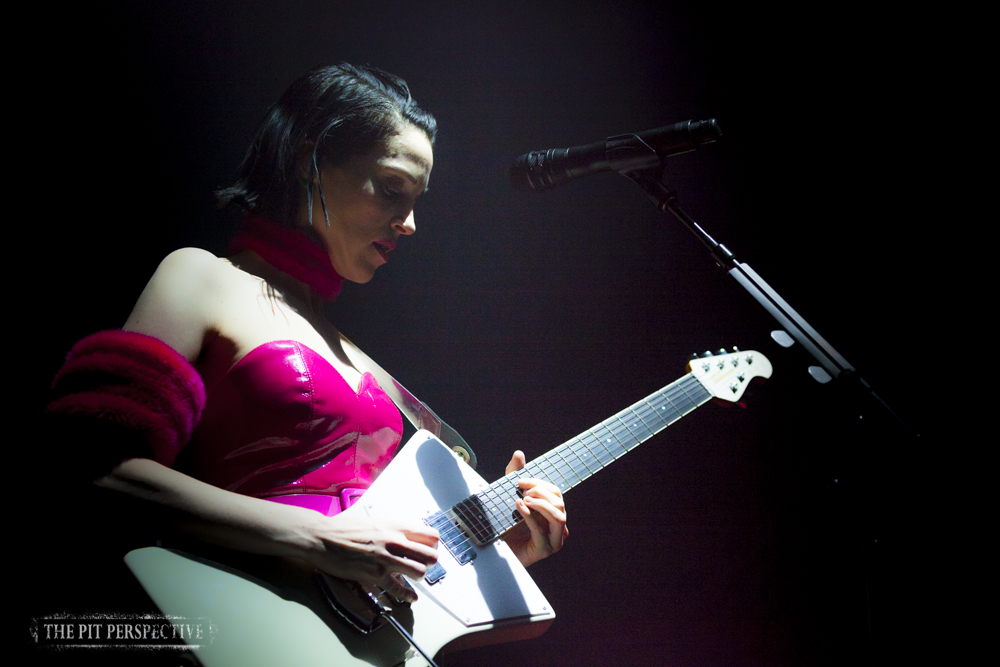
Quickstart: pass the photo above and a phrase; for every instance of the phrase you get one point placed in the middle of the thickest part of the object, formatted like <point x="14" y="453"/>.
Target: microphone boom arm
<point x="794" y="324"/>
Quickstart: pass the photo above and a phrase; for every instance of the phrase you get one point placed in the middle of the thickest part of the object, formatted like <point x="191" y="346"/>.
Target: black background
<point x="523" y="319"/>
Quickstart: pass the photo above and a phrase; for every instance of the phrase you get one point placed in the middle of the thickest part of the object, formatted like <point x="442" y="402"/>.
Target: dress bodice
<point x="284" y="421"/>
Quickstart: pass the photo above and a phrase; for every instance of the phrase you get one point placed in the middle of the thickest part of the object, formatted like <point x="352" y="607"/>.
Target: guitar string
<point x="617" y="432"/>
<point x="492" y="511"/>
<point x="676" y="394"/>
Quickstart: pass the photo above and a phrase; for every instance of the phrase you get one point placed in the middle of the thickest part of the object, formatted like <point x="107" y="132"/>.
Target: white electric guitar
<point x="267" y="612"/>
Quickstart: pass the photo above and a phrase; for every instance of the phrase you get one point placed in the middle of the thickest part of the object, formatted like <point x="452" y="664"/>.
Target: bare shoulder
<point x="189" y="257"/>
<point x="194" y="268"/>
<point x="177" y="304"/>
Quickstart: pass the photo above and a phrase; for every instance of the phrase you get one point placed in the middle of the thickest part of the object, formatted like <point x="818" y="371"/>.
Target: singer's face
<point x="370" y="201"/>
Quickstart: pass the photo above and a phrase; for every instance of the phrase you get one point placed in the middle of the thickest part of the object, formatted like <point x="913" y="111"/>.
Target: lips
<point x="384" y="248"/>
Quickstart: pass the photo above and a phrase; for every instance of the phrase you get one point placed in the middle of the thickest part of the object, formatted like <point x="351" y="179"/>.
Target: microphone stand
<point x="830" y="364"/>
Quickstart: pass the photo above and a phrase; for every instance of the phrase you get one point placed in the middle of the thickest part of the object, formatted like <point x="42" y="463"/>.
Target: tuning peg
<point x="722" y="350"/>
<point x="695" y="355"/>
<point x="735" y="349"/>
<point x="706" y="353"/>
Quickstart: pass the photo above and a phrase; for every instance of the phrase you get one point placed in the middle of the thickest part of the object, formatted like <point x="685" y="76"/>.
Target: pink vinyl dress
<point x="284" y="424"/>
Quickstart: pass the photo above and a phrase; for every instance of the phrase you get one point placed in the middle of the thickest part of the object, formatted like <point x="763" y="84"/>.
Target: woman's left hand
<point x="544" y="530"/>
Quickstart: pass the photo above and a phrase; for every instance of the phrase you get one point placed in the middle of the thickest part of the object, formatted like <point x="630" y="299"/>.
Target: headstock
<point x="726" y="375"/>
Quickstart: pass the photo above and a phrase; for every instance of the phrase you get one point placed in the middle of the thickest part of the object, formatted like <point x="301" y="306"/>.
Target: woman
<point x="228" y="386"/>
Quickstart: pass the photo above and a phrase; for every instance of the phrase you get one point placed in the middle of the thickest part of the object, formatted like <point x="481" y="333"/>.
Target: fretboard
<point x="491" y="512"/>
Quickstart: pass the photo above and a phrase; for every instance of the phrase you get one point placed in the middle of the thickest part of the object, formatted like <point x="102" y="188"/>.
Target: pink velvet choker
<point x="290" y="251"/>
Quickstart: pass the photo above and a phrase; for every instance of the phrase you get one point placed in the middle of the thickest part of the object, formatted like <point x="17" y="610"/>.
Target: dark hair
<point x="344" y="111"/>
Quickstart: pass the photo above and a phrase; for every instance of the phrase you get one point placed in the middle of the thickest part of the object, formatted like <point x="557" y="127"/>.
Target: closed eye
<point x="393" y="187"/>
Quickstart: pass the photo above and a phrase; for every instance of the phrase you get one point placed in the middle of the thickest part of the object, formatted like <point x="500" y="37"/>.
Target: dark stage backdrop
<point x="739" y="536"/>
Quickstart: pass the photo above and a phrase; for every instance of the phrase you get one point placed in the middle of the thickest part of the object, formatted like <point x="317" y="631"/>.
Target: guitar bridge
<point x="434" y="574"/>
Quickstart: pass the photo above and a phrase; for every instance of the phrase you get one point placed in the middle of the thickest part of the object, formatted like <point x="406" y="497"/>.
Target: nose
<point x="407" y="226"/>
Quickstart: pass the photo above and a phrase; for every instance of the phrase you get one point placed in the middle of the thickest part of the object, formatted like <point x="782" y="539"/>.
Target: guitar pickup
<point x="435" y="574"/>
<point x="453" y="536"/>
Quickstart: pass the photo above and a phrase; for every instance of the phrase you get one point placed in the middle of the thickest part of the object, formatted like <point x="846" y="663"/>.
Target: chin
<point x="355" y="272"/>
<point x="361" y="276"/>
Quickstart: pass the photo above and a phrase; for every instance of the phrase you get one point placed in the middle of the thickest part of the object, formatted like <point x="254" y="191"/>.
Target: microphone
<point x="542" y="170"/>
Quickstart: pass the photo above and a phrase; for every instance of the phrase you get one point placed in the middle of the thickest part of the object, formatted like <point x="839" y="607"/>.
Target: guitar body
<point x="268" y="611"/>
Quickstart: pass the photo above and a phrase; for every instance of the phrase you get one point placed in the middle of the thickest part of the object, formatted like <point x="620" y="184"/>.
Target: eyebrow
<point x="400" y="173"/>
<point x="400" y="170"/>
<point x="419" y="159"/>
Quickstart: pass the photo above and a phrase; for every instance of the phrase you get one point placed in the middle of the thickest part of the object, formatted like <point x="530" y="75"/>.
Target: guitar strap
<point x="415" y="410"/>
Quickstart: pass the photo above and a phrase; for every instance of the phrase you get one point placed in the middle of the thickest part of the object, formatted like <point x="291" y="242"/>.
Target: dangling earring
<point x="308" y="186"/>
<point x="322" y="199"/>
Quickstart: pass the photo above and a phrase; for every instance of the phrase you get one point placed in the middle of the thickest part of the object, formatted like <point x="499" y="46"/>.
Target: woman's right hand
<point x="357" y="548"/>
<point x="372" y="551"/>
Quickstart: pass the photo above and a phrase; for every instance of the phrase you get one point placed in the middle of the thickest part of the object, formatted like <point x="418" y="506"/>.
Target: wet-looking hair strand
<point x="336" y="113"/>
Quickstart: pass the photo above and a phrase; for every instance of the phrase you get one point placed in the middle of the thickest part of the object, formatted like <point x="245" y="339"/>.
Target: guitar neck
<point x="493" y="511"/>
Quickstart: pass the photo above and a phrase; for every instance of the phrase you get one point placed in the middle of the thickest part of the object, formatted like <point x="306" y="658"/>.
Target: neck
<point x="290" y="252"/>
<point x="294" y="292"/>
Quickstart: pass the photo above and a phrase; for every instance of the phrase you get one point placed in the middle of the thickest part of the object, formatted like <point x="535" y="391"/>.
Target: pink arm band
<point x="135" y="382"/>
